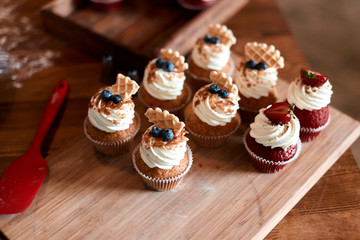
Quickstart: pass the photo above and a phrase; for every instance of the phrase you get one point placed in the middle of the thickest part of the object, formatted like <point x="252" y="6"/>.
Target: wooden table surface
<point x="329" y="210"/>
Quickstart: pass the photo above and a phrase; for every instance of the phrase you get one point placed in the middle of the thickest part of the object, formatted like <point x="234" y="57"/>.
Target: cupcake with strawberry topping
<point x="311" y="95"/>
<point x="212" y="52"/>
<point x="273" y="138"/>
<point x="163" y="157"/>
<point x="256" y="78"/>
<point x="112" y="122"/>
<point x="212" y="115"/>
<point x="164" y="82"/>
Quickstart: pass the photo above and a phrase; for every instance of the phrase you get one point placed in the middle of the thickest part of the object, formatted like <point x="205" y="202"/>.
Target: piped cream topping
<point x="254" y="83"/>
<point x="273" y="135"/>
<point x="156" y="153"/>
<point x="307" y="97"/>
<point x="214" y="110"/>
<point x="163" y="85"/>
<point x="110" y="117"/>
<point x="210" y="56"/>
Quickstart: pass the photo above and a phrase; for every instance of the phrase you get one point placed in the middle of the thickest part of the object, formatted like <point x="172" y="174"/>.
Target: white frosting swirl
<point x="164" y="157"/>
<point x="166" y="85"/>
<point x="215" y="110"/>
<point x="253" y="83"/>
<point x="275" y="135"/>
<point x="307" y="97"/>
<point x="118" y="119"/>
<point x="210" y="56"/>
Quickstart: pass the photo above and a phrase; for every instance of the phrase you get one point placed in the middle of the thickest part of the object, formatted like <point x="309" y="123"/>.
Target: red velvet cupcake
<point x="311" y="94"/>
<point x="273" y="138"/>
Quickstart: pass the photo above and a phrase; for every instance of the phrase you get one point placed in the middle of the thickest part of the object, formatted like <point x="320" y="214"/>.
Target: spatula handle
<point x="51" y="110"/>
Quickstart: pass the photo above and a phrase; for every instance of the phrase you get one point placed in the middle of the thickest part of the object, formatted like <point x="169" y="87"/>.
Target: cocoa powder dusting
<point x="107" y="107"/>
<point x="151" y="141"/>
<point x="215" y="101"/>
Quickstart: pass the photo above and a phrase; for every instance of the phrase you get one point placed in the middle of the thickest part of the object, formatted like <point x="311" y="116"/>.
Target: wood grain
<point x="330" y="210"/>
<point x="89" y="195"/>
<point x="138" y="30"/>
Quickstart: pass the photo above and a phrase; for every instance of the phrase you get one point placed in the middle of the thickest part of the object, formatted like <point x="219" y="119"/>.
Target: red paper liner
<point x="113" y="148"/>
<point x="211" y="141"/>
<point x="178" y="111"/>
<point x="267" y="166"/>
<point x="165" y="184"/>
<point x="310" y="134"/>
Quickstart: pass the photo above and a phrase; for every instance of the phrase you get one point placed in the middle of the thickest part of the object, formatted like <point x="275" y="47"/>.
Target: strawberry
<point x="280" y="113"/>
<point x="312" y="78"/>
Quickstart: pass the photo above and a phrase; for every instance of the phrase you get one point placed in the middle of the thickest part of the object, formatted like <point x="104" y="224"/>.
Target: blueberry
<point x="106" y="95"/>
<point x="155" y="132"/>
<point x="207" y="38"/>
<point x="116" y="98"/>
<point x="261" y="65"/>
<point x="214" y="88"/>
<point x="168" y="66"/>
<point x="159" y="63"/>
<point x="223" y="93"/>
<point x="214" y="40"/>
<point x="251" y="64"/>
<point x="167" y="134"/>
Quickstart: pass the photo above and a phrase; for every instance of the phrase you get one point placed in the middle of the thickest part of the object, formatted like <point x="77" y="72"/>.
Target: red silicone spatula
<point x="23" y="177"/>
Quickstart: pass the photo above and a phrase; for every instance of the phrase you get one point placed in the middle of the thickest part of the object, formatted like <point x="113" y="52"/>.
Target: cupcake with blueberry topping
<point x="311" y="95"/>
<point x="212" y="52"/>
<point x="163" y="83"/>
<point x="112" y="123"/>
<point x="256" y="78"/>
<point x="212" y="115"/>
<point x="163" y="157"/>
<point x="273" y="138"/>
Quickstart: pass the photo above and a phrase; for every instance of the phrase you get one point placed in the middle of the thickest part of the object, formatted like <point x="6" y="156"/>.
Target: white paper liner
<point x="113" y="148"/>
<point x="174" y="109"/>
<point x="310" y="134"/>
<point x="159" y="184"/>
<point x="267" y="165"/>
<point x="312" y="130"/>
<point x="211" y="141"/>
<point x="207" y="80"/>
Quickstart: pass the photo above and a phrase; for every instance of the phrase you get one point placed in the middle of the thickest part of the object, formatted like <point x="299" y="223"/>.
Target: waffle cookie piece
<point x="256" y="78"/>
<point x="163" y="157"/>
<point x="164" y="82"/>
<point x="212" y="115"/>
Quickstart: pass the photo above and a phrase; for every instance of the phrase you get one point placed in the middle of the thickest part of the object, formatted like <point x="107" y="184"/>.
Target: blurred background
<point x="328" y="32"/>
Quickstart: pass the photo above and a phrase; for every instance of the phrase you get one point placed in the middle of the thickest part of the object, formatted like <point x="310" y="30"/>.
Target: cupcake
<point x="163" y="157"/>
<point x="163" y="84"/>
<point x="256" y="78"/>
<point x="112" y="123"/>
<point x="212" y="52"/>
<point x="212" y="115"/>
<point x="311" y="94"/>
<point x="273" y="138"/>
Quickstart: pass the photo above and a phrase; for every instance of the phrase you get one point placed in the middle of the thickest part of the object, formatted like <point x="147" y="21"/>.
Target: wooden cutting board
<point x="89" y="196"/>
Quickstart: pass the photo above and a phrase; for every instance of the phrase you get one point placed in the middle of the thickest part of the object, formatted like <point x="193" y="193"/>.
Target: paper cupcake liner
<point x="310" y="134"/>
<point x="267" y="166"/>
<point x="165" y="184"/>
<point x="198" y="82"/>
<point x="113" y="148"/>
<point x="175" y="110"/>
<point x="211" y="141"/>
